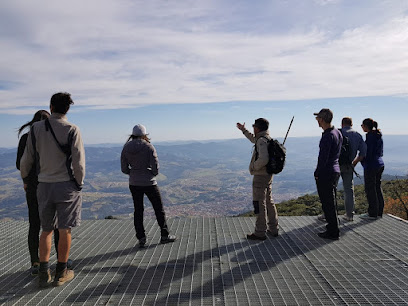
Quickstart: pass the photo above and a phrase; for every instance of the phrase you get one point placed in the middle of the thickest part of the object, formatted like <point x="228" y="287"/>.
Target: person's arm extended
<point x="248" y="134"/>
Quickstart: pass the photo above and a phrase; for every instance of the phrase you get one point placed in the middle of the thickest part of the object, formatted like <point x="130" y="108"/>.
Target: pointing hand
<point x="241" y="126"/>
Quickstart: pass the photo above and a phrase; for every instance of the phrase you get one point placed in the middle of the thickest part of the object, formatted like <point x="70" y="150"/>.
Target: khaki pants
<point x="268" y="216"/>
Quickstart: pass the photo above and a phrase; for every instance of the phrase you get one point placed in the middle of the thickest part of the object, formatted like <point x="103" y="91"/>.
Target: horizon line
<point x="161" y="142"/>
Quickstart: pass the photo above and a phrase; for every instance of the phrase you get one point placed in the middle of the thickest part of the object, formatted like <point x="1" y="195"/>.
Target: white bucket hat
<point x="139" y="130"/>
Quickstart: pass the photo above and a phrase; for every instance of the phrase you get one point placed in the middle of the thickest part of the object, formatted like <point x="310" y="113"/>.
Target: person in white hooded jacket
<point x="139" y="160"/>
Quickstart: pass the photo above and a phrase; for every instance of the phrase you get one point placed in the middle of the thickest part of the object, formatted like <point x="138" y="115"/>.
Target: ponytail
<point x="375" y="125"/>
<point x="38" y="116"/>
<point x="372" y="125"/>
<point x="30" y="123"/>
<point x="130" y="137"/>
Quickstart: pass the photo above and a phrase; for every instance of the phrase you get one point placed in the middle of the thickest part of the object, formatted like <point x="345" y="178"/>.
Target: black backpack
<point x="277" y="156"/>
<point x="345" y="157"/>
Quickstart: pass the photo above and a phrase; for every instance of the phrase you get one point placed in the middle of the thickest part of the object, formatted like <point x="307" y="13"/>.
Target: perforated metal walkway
<point x="212" y="263"/>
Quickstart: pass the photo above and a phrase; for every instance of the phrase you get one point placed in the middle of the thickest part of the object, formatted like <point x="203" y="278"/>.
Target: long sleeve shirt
<point x="139" y="160"/>
<point x="357" y="144"/>
<point x="32" y="175"/>
<point x="260" y="155"/>
<point x="328" y="160"/>
<point x="373" y="159"/>
<point x="52" y="161"/>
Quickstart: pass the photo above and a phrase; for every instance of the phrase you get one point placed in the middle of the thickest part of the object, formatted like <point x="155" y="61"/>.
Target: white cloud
<point x="114" y="54"/>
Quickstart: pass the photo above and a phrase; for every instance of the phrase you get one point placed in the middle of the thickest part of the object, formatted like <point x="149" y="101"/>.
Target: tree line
<point x="395" y="197"/>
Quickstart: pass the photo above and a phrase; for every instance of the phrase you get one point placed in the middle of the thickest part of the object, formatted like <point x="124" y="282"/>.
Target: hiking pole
<point x="288" y="130"/>
<point x="355" y="172"/>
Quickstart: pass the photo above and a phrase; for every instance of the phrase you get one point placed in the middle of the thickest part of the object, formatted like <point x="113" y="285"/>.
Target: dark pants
<point x="372" y="186"/>
<point x="153" y="194"/>
<point x="327" y="190"/>
<point x="35" y="224"/>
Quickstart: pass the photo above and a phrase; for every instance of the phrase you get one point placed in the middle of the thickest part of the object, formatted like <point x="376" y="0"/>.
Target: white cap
<point x="139" y="130"/>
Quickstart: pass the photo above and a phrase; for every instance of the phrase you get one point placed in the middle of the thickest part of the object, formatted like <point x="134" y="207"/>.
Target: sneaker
<point x="44" y="279"/>
<point x="274" y="233"/>
<point x="321" y="217"/>
<point x="63" y="277"/>
<point x="167" y="239"/>
<point x="255" y="237"/>
<point x="142" y="242"/>
<point x="326" y="235"/>
<point x="69" y="264"/>
<point x="367" y="217"/>
<point x="35" y="269"/>
<point x="347" y="218"/>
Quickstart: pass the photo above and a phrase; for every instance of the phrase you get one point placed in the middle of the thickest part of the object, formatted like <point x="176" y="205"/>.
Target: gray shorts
<point x="59" y="205"/>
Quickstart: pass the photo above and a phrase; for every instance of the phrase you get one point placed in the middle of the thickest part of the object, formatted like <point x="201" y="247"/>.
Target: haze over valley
<point x="196" y="178"/>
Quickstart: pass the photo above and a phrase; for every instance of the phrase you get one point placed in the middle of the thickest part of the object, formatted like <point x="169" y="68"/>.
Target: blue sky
<point x="189" y="70"/>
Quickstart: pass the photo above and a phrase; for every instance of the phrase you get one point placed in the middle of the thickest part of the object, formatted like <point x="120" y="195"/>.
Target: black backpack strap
<point x="48" y="127"/>
<point x="256" y="150"/>
<point x="36" y="155"/>
<point x="66" y="149"/>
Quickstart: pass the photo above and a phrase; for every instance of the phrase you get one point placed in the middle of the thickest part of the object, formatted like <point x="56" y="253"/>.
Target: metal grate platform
<point x="212" y="263"/>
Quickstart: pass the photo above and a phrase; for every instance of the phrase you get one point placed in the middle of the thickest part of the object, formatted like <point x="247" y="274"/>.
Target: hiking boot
<point x="35" y="269"/>
<point x="326" y="235"/>
<point x="44" y="279"/>
<point x="255" y="237"/>
<point x="347" y="218"/>
<point x="274" y="233"/>
<point x="63" y="277"/>
<point x="167" y="239"/>
<point x="321" y="217"/>
<point x="367" y="217"/>
<point x="142" y="242"/>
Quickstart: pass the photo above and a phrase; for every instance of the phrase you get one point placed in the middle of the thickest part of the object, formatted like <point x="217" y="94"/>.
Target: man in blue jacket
<point x="327" y="172"/>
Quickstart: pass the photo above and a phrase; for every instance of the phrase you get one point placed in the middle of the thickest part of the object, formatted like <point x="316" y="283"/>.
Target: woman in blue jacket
<point x="373" y="165"/>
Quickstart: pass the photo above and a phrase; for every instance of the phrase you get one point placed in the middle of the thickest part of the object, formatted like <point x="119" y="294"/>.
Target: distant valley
<point x="196" y="179"/>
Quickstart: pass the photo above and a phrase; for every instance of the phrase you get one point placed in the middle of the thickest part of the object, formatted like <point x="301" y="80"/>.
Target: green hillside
<point x="395" y="193"/>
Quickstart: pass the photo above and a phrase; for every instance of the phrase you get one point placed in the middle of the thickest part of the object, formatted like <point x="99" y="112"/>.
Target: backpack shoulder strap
<point x="36" y="155"/>
<point x="65" y="149"/>
<point x="33" y="139"/>
<point x="256" y="149"/>
<point x="48" y="127"/>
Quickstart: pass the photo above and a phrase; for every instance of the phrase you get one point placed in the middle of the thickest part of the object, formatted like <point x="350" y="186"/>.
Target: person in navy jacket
<point x="373" y="165"/>
<point x="327" y="172"/>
